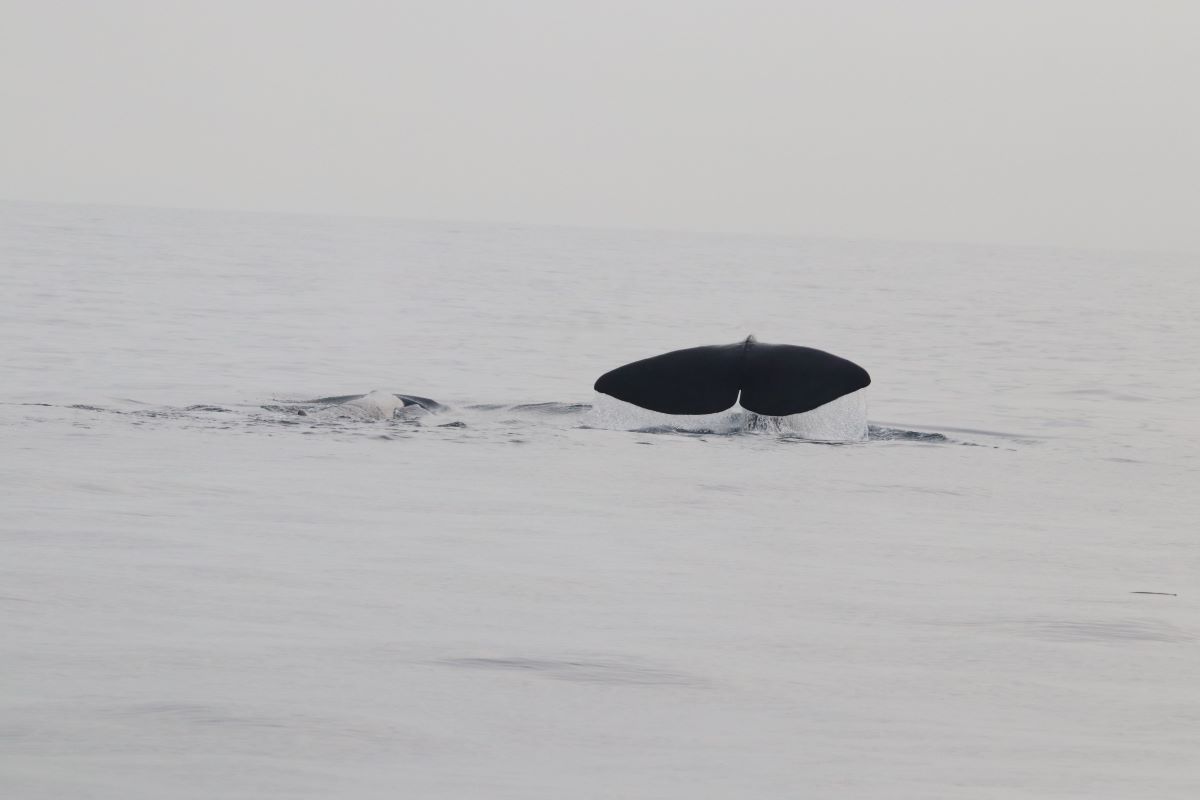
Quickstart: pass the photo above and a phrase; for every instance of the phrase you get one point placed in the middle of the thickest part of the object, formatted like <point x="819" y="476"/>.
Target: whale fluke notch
<point x="772" y="379"/>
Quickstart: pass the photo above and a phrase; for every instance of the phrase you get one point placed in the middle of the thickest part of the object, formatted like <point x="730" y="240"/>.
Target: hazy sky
<point x="1070" y="122"/>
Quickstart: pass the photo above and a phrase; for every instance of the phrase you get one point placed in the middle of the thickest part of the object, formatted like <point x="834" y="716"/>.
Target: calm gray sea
<point x="204" y="594"/>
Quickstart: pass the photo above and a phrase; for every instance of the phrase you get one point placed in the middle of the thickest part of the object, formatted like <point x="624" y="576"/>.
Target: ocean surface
<point x="528" y="594"/>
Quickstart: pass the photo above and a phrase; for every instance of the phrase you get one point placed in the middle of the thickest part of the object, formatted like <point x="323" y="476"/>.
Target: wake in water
<point x="843" y="421"/>
<point x="389" y="415"/>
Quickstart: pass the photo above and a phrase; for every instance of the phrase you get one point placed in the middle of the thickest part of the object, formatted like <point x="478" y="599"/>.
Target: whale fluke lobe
<point x="783" y="379"/>
<point x="698" y="380"/>
<point x="773" y="379"/>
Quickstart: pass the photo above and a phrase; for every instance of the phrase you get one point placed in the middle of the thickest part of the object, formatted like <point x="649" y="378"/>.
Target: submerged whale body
<point x="775" y="380"/>
<point x="375" y="405"/>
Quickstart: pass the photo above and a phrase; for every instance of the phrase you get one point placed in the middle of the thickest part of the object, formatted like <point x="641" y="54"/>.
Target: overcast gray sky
<point x="1072" y="122"/>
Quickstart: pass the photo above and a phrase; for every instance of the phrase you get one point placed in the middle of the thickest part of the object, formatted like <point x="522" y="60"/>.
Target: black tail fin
<point x="773" y="379"/>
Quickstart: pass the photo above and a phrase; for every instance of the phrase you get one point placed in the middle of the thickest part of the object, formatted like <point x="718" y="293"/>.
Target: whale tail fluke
<point x="772" y="379"/>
